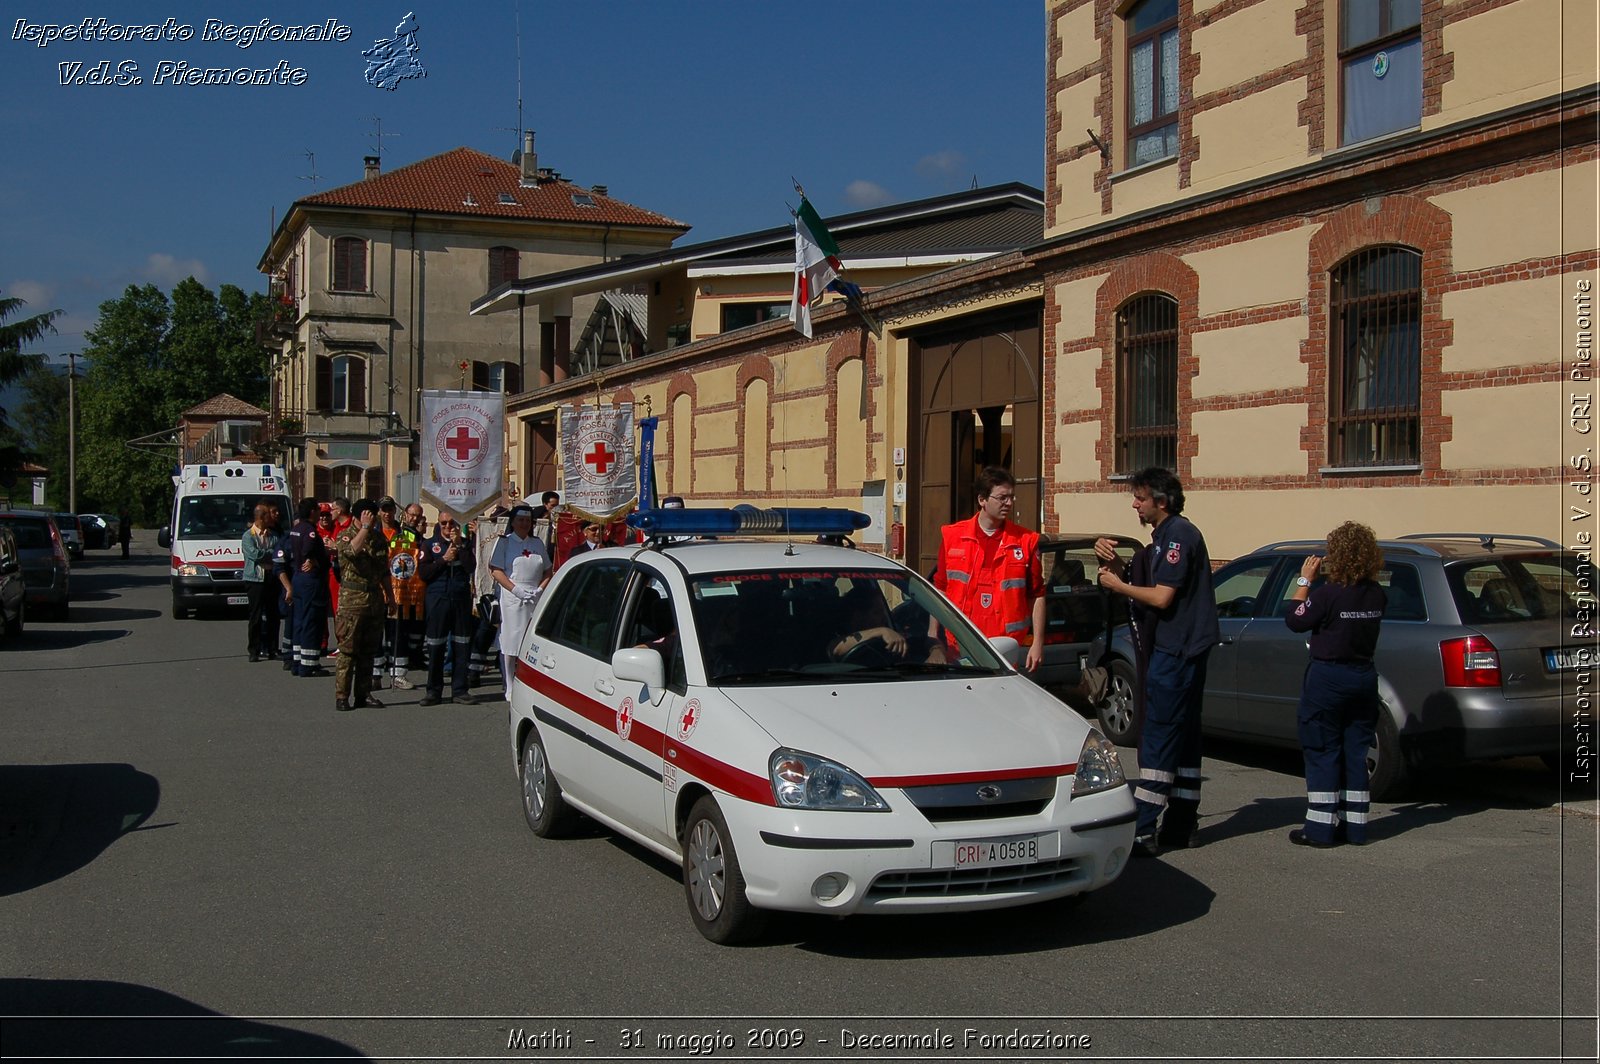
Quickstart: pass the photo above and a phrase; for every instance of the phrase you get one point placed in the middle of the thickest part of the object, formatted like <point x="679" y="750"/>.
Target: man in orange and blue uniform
<point x="989" y="568"/>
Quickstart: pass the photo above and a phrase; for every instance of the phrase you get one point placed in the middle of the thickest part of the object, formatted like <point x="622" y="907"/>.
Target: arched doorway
<point x="976" y="387"/>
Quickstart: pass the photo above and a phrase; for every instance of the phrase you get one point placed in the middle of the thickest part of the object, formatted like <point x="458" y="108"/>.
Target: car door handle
<point x="604" y="687"/>
<point x="1227" y="642"/>
<point x="548" y="662"/>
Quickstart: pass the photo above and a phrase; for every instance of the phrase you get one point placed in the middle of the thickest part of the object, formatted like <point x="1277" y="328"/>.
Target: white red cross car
<point x="805" y="727"/>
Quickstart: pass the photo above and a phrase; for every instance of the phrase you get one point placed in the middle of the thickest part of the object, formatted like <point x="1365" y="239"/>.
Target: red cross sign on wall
<point x="601" y="457"/>
<point x="463" y="444"/>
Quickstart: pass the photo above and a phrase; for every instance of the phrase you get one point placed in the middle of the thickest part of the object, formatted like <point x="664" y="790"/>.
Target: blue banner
<point x="647" y="463"/>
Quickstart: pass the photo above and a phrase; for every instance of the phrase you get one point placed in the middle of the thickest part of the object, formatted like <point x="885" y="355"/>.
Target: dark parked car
<point x="1481" y="634"/>
<point x="45" y="567"/>
<point x="1075" y="607"/>
<point x="99" y="531"/>
<point x="13" y="593"/>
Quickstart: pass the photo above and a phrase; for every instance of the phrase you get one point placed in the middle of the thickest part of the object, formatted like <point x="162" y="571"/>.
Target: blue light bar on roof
<point x="783" y="520"/>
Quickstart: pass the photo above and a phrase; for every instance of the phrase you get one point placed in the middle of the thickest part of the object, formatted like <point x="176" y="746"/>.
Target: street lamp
<point x="72" y="433"/>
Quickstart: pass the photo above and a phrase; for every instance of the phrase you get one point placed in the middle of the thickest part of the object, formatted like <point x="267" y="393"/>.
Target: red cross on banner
<point x="600" y="457"/>
<point x="462" y="444"/>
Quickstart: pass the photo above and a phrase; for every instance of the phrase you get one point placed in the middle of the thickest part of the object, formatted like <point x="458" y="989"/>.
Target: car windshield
<point x="832" y="626"/>
<point x="31" y="534"/>
<point x="220" y="516"/>
<point x="1529" y="587"/>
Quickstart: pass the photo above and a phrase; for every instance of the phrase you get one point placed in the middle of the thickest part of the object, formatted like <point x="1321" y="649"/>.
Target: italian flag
<point x="816" y="265"/>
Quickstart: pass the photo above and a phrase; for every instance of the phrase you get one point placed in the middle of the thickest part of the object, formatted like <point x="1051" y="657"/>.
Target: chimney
<point x="370" y="166"/>
<point x="599" y="190"/>
<point x="530" y="161"/>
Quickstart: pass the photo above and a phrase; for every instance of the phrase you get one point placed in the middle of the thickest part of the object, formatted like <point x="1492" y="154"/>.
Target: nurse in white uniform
<point x="519" y="566"/>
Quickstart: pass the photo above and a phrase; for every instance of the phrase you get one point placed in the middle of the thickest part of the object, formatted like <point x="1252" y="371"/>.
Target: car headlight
<point x="1099" y="768"/>
<point x="806" y="781"/>
<point x="191" y="569"/>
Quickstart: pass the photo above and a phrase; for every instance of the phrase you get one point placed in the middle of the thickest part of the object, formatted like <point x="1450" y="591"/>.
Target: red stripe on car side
<point x="946" y="778"/>
<point x="718" y="774"/>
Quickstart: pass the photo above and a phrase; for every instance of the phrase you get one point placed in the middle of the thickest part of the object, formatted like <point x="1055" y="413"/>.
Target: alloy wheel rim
<point x="533" y="780"/>
<point x="707" y="870"/>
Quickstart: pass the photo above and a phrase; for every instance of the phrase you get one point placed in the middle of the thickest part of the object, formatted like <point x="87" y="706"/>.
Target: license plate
<point x="989" y="853"/>
<point x="238" y="600"/>
<point x="1560" y="659"/>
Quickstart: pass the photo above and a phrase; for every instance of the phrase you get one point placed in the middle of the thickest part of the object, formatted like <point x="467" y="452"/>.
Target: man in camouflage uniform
<point x="365" y="598"/>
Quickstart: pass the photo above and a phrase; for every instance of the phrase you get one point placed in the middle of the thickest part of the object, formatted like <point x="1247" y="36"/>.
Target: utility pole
<point x="72" y="433"/>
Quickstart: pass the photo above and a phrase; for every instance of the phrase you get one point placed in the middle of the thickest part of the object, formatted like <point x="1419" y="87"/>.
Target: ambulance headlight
<point x="191" y="569"/>
<point x="806" y="781"/>
<point x="1099" y="768"/>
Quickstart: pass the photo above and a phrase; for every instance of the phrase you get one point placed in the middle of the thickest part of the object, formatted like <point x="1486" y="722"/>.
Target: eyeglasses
<point x="993" y="497"/>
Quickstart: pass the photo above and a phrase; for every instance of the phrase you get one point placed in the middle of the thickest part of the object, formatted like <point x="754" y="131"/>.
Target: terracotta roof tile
<point x="468" y="182"/>
<point x="224" y="405"/>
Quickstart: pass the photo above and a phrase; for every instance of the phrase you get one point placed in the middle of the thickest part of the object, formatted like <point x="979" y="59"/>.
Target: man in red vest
<point x="989" y="567"/>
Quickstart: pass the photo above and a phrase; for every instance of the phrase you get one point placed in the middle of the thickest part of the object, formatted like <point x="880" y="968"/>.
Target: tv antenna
<point x="311" y="156"/>
<point x="377" y="135"/>
<point x="516" y="153"/>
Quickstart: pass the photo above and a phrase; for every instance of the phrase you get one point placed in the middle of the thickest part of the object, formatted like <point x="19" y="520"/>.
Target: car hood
<point x="908" y="731"/>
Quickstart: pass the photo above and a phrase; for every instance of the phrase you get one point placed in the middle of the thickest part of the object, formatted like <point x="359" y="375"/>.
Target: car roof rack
<point x="1322" y="544"/>
<point x="1486" y="540"/>
<point x="827" y="524"/>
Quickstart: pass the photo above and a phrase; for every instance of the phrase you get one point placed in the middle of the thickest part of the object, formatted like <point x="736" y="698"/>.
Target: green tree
<point x="42" y="425"/>
<point x="151" y="358"/>
<point x="13" y="364"/>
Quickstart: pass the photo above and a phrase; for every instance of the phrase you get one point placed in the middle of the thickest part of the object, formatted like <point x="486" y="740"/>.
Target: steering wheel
<point x="868" y="654"/>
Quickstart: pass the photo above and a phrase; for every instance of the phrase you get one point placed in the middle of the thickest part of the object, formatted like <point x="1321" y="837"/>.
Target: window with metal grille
<point x="1375" y="358"/>
<point x="1147" y="383"/>
<point x="349" y="264"/>
<point x="503" y="266"/>
<point x="1152" y="28"/>
<point x="1380" y="67"/>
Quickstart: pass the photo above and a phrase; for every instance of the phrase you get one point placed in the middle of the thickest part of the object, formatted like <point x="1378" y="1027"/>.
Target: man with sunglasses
<point x="989" y="567"/>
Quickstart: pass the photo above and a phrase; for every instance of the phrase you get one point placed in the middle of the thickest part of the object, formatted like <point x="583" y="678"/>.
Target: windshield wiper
<point x="764" y="674"/>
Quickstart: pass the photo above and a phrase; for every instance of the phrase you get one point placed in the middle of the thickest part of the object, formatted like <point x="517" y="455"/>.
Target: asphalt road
<point x="184" y="834"/>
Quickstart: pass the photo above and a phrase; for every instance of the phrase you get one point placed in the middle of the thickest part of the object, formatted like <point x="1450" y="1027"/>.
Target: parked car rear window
<point x="1521" y="588"/>
<point x="31" y="534"/>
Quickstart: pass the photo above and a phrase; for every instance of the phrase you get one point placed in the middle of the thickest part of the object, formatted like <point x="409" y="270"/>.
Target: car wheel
<point x="14" y="626"/>
<point x="712" y="881"/>
<point x="179" y="611"/>
<point x="1118" y="711"/>
<point x="60" y="612"/>
<point x="548" y="813"/>
<point x="1387" y="771"/>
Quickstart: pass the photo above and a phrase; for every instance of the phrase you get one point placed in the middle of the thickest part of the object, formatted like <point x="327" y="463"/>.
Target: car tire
<point x="14" y="627"/>
<point x="1118" y="712"/>
<point x="61" y="612"/>
<point x="548" y="814"/>
<point x="713" y="884"/>
<point x="1387" y="770"/>
<point x="180" y="612"/>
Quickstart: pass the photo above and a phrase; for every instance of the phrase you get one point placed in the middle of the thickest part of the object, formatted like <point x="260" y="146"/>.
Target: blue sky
<point x="699" y="110"/>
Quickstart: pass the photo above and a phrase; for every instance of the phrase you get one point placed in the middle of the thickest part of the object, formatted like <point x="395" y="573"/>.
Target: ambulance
<point x="213" y="505"/>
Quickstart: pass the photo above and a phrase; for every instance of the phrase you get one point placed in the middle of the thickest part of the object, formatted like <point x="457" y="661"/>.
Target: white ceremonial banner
<point x="463" y="449"/>
<point x="599" y="477"/>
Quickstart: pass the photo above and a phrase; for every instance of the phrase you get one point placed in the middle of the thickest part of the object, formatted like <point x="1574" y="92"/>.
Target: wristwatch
<point x="1301" y="581"/>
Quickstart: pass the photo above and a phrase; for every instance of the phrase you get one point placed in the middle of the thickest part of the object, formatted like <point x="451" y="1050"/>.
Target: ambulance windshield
<point x="219" y="516"/>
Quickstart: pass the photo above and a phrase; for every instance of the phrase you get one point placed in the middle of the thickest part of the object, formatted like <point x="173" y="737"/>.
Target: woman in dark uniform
<point x="1339" y="703"/>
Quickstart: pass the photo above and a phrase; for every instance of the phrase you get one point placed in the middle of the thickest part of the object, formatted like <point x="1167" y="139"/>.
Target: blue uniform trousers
<point x="1169" y="746"/>
<point x="1339" y="709"/>
<point x="450" y="627"/>
<point x="310" y="619"/>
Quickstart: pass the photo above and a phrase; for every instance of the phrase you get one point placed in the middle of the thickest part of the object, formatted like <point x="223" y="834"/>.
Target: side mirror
<point x="642" y="665"/>
<point x="1008" y="648"/>
<point x="164" y="538"/>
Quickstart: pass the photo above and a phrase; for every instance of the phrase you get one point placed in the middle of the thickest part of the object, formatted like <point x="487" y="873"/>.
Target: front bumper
<point x="212" y="589"/>
<point x="886" y="860"/>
